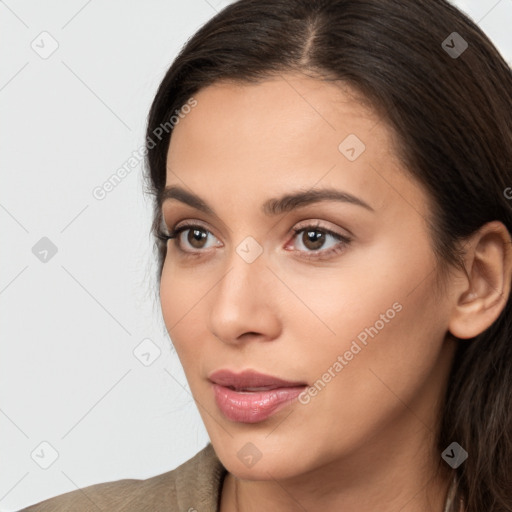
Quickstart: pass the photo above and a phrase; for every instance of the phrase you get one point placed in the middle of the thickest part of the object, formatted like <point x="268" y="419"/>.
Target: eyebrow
<point x="271" y="207"/>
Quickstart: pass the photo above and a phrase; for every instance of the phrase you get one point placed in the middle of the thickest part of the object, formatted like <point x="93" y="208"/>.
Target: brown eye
<point x="313" y="239"/>
<point x="195" y="241"/>
<point x="196" y="237"/>
<point x="312" y="243"/>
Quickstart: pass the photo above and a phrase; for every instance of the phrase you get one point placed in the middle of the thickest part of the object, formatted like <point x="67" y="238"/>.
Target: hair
<point x="451" y="118"/>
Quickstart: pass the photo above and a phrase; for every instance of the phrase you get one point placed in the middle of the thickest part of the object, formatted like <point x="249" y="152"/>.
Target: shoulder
<point x="195" y="484"/>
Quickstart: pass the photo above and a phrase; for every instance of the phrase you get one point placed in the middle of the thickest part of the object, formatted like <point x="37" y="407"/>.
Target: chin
<point x="254" y="456"/>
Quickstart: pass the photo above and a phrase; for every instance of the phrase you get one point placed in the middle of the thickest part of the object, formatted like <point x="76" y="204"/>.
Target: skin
<point x="366" y="440"/>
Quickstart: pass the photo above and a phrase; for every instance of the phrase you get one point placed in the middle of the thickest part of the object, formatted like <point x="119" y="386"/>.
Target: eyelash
<point x="316" y="255"/>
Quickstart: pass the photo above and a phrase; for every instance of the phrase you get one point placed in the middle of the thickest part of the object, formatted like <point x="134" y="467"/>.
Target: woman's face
<point x="345" y="308"/>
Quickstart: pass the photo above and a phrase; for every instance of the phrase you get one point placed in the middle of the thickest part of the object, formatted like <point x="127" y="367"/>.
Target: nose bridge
<point x="242" y="301"/>
<point x="245" y="280"/>
<point x="247" y="270"/>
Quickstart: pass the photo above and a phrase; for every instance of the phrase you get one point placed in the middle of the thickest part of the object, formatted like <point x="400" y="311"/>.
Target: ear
<point x="482" y="294"/>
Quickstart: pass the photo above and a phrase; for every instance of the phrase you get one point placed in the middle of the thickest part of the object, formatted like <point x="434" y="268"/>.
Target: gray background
<point x="73" y="322"/>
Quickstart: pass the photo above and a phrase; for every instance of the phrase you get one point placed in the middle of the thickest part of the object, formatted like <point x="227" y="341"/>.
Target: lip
<point x="239" y="401"/>
<point x="250" y="379"/>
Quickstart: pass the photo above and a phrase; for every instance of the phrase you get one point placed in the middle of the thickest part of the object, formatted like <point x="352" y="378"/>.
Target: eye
<point x="314" y="238"/>
<point x="196" y="237"/>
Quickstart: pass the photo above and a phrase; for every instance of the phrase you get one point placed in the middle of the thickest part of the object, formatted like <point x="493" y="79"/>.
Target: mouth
<point x="251" y="390"/>
<point x="252" y="397"/>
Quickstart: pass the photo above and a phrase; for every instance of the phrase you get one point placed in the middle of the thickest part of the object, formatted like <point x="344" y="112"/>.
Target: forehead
<point x="289" y="111"/>
<point x="257" y="139"/>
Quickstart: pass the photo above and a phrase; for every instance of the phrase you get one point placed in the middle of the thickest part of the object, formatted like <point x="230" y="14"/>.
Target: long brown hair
<point x="449" y="103"/>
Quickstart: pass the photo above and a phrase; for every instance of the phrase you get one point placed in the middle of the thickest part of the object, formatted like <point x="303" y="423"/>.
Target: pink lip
<point x="246" y="406"/>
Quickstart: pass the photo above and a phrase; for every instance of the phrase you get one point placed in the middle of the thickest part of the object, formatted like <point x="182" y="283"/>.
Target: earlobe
<point x="483" y="293"/>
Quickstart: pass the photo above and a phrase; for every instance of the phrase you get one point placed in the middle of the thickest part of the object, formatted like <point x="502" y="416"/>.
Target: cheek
<point x="338" y="302"/>
<point x="373" y="292"/>
<point x="182" y="287"/>
<point x="389" y="329"/>
<point x="180" y="298"/>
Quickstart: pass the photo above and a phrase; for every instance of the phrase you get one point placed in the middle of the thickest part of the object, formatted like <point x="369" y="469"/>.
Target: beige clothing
<point x="194" y="486"/>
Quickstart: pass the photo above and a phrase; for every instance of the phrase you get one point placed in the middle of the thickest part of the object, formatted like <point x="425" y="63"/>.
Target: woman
<point x="332" y="210"/>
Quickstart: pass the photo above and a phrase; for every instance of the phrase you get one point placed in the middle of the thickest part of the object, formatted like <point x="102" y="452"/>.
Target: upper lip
<point x="250" y="379"/>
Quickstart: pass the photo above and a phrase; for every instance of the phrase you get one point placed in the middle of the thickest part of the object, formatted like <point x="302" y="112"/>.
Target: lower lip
<point x="253" y="406"/>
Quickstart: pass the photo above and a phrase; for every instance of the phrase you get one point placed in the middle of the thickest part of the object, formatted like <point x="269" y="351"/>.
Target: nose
<point x="244" y="304"/>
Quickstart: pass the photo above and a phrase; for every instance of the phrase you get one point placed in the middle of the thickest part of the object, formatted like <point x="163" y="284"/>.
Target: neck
<point x="388" y="495"/>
